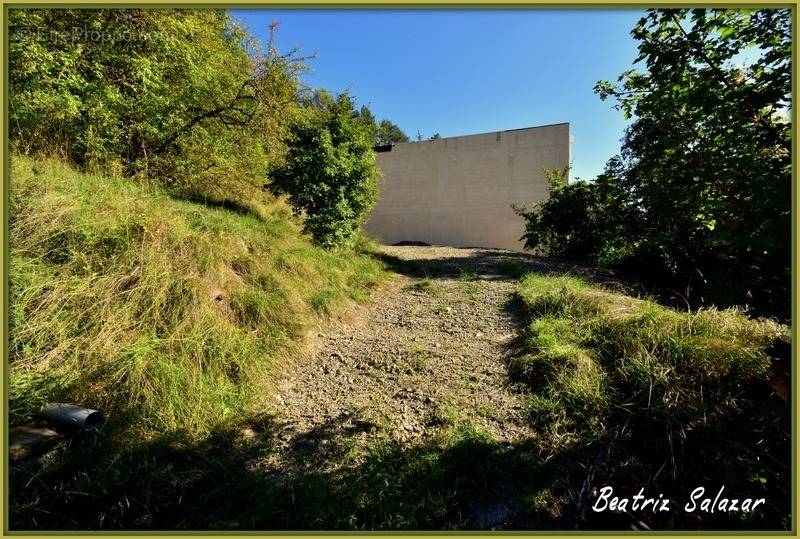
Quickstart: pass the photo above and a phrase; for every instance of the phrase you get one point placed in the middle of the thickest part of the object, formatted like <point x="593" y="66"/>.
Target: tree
<point x="708" y="153"/>
<point x="384" y="132"/>
<point x="699" y="198"/>
<point x="365" y="116"/>
<point x="330" y="172"/>
<point x="586" y="221"/>
<point x="185" y="96"/>
<point x="389" y="133"/>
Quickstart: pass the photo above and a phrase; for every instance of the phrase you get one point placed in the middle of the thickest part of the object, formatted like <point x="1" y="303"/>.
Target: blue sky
<point x="457" y="72"/>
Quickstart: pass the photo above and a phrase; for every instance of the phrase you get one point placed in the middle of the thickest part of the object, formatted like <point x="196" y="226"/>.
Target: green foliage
<point x="365" y="117"/>
<point x="184" y="96"/>
<point x="701" y="191"/>
<point x="170" y="314"/>
<point x="189" y="99"/>
<point x="329" y="173"/>
<point x="389" y="133"/>
<point x="579" y="220"/>
<point x="384" y="132"/>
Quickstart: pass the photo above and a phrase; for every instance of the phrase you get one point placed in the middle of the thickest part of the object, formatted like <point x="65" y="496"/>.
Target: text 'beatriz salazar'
<point x="697" y="501"/>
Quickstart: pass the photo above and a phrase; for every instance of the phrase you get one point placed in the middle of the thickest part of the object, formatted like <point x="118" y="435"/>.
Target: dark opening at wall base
<point x="412" y="244"/>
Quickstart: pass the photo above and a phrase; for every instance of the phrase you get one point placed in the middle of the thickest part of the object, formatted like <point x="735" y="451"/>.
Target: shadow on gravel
<point x="243" y="479"/>
<point x="490" y="264"/>
<point x="462" y="480"/>
<point x="630" y="464"/>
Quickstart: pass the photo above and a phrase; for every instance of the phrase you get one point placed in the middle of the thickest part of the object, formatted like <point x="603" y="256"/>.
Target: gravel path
<point x="430" y="345"/>
<point x="423" y="360"/>
<point x="420" y="350"/>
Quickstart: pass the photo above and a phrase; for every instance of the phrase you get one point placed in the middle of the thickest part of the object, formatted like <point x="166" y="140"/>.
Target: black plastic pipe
<point x="72" y="417"/>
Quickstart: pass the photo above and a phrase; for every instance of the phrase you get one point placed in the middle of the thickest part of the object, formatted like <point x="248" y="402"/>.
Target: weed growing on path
<point x="426" y="286"/>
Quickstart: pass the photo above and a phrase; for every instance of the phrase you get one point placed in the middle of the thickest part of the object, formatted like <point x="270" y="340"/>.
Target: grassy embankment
<point x="656" y="398"/>
<point x="165" y="314"/>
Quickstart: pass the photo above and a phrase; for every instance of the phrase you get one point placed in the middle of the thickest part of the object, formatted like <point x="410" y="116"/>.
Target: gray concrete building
<point x="458" y="191"/>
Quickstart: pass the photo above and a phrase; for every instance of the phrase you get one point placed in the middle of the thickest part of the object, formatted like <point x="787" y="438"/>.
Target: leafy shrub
<point x="330" y="173"/>
<point x="578" y="219"/>
<point x="183" y="96"/>
<point x="699" y="198"/>
<point x="383" y="132"/>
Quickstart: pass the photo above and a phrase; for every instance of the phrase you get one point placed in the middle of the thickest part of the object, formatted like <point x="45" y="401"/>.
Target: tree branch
<point x="218" y="112"/>
<point x="717" y="71"/>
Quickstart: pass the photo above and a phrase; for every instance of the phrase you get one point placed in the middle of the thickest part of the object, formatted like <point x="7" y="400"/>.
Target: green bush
<point x="185" y="97"/>
<point x="699" y="198"/>
<point x="330" y="173"/>
<point x="579" y="220"/>
<point x="190" y="100"/>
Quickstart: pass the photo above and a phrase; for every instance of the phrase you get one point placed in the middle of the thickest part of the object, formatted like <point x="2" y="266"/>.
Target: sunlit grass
<point x="592" y="353"/>
<point x="173" y="314"/>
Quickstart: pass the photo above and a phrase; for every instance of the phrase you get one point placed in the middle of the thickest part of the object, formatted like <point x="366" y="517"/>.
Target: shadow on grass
<point x="461" y="481"/>
<point x="218" y="204"/>
<point x="746" y="452"/>
<point x="249" y="480"/>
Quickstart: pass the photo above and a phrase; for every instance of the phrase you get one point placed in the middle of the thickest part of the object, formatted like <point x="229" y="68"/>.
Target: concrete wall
<point x="458" y="191"/>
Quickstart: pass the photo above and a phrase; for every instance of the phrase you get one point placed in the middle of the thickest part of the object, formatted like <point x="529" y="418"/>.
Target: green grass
<point x="417" y="357"/>
<point x="174" y="317"/>
<point x="669" y="397"/>
<point x="165" y="314"/>
<point x="426" y="286"/>
<point x="592" y="352"/>
<point x="468" y="285"/>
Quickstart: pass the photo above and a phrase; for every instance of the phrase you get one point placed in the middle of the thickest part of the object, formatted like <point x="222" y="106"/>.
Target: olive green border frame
<point x="389" y="5"/>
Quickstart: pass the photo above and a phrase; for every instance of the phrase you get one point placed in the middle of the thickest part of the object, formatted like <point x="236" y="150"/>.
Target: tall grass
<point x="173" y="315"/>
<point x="593" y="353"/>
<point x="645" y="393"/>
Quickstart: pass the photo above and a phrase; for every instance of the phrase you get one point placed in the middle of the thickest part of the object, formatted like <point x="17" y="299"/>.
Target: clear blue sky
<point x="457" y="72"/>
